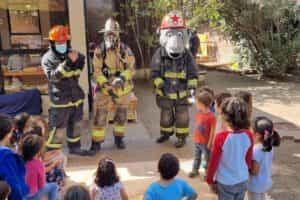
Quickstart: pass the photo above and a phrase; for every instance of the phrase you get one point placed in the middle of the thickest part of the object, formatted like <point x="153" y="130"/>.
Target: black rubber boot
<point x="162" y="139"/>
<point x="96" y="146"/>
<point x="193" y="173"/>
<point x="119" y="142"/>
<point x="74" y="148"/>
<point x="180" y="142"/>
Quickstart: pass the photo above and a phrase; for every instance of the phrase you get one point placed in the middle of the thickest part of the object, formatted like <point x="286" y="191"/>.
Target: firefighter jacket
<point x="63" y="79"/>
<point x="173" y="78"/>
<point x="110" y="64"/>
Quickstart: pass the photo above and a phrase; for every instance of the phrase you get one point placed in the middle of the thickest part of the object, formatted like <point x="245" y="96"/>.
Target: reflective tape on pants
<point x="168" y="130"/>
<point x="50" y="143"/>
<point x="98" y="134"/>
<point x="70" y="104"/>
<point x="73" y="140"/>
<point x="119" y="129"/>
<point x="182" y="131"/>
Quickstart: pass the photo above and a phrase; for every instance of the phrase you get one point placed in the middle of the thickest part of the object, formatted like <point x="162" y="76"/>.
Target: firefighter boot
<point x="74" y="148"/>
<point x="163" y="138"/>
<point x="119" y="142"/>
<point x="180" y="142"/>
<point x="96" y="146"/>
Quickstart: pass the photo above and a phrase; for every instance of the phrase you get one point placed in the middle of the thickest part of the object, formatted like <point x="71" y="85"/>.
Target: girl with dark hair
<point x="265" y="138"/>
<point x="228" y="170"/>
<point x="77" y="192"/>
<point x="108" y="185"/>
<point x="32" y="147"/>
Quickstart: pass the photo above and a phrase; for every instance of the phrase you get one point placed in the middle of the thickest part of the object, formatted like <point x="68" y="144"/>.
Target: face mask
<point x="110" y="41"/>
<point x="61" y="48"/>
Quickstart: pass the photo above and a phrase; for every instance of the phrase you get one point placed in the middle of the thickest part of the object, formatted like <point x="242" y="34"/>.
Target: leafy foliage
<point x="267" y="33"/>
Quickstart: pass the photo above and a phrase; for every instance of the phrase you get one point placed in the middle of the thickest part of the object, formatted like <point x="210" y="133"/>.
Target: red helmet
<point x="173" y="20"/>
<point x="59" y="33"/>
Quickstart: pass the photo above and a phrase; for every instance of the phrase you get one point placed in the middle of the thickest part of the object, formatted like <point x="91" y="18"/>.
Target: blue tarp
<point x="28" y="101"/>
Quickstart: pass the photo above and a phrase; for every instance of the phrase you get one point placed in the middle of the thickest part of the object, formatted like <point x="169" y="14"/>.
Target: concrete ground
<point x="137" y="164"/>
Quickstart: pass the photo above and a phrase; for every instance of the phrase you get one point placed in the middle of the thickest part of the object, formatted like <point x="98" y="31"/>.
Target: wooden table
<point x="30" y="71"/>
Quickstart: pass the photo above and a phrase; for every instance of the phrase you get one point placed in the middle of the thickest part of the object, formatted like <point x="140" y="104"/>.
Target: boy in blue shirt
<point x="169" y="187"/>
<point x="12" y="167"/>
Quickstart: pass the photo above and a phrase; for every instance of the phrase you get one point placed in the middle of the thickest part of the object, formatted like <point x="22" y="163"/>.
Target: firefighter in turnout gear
<point x="173" y="71"/>
<point x="63" y="66"/>
<point x="113" y="71"/>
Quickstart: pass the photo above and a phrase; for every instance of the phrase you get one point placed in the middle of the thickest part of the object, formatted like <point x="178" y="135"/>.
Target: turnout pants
<point x="65" y="122"/>
<point x="174" y="116"/>
<point x="102" y="105"/>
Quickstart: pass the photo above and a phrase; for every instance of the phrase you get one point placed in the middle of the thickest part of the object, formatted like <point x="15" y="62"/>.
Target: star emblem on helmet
<point x="175" y="19"/>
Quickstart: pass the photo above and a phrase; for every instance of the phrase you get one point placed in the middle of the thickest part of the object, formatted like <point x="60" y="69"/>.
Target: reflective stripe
<point x="50" y="139"/>
<point x="159" y="92"/>
<point x="98" y="132"/>
<point x="73" y="140"/>
<point x="126" y="90"/>
<point x="158" y="81"/>
<point x="101" y="79"/>
<point x="182" y="94"/>
<point x="70" y="104"/>
<point x="193" y="83"/>
<point x="119" y="129"/>
<point x="182" y="130"/>
<point x="179" y="75"/>
<point x="169" y="130"/>
<point x="173" y="95"/>
<point x="68" y="74"/>
<point x="127" y="74"/>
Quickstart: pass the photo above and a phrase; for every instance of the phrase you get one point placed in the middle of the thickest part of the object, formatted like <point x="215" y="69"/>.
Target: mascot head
<point x="173" y="34"/>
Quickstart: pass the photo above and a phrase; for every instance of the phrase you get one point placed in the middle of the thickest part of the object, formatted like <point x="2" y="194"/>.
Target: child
<point x="77" y="192"/>
<point x="108" y="185"/>
<point x="54" y="160"/>
<point x="211" y="92"/>
<point x="232" y="152"/>
<point x="31" y="148"/>
<point x="247" y="97"/>
<point x="12" y="168"/>
<point x="169" y="187"/>
<point x="265" y="138"/>
<point x="4" y="190"/>
<point x="204" y="132"/>
<point x="220" y="126"/>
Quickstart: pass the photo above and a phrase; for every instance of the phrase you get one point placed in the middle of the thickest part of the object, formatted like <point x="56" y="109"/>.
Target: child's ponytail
<point x="270" y="137"/>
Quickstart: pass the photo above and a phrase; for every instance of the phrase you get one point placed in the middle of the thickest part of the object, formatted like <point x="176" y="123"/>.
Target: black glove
<point x="69" y="66"/>
<point x="113" y="95"/>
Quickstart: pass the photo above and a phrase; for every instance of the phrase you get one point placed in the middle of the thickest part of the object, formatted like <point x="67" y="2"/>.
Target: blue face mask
<point x="61" y="48"/>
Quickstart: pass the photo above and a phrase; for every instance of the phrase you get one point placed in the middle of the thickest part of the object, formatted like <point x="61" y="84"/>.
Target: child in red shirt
<point x="204" y="131"/>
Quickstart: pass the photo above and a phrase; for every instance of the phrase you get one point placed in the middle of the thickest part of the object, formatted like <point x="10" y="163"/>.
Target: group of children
<point x="238" y="150"/>
<point x="30" y="172"/>
<point x="235" y="151"/>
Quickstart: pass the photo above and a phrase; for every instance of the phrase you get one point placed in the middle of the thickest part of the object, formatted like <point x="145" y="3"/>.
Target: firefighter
<point x="63" y="66"/>
<point x="113" y="71"/>
<point x="175" y="78"/>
